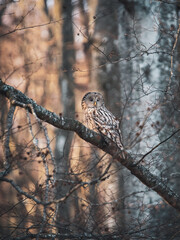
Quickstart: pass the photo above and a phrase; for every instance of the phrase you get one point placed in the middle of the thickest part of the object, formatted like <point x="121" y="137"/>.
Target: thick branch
<point x="142" y="173"/>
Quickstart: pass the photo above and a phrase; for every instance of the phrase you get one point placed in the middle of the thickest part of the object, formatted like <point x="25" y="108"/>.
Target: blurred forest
<point x="55" y="185"/>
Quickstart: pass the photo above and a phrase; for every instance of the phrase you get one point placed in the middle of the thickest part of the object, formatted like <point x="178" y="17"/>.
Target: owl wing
<point x="107" y="124"/>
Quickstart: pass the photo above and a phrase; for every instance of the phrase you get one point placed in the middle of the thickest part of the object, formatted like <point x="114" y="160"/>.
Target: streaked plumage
<point x="100" y="119"/>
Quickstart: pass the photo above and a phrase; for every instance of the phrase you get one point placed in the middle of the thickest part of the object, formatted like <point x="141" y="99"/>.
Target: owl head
<point x="92" y="100"/>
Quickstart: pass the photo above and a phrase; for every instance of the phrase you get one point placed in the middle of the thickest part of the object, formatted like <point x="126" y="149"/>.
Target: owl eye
<point x="98" y="100"/>
<point x="90" y="99"/>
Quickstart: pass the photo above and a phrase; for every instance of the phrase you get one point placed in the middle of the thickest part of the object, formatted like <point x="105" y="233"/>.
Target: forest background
<point x="56" y="184"/>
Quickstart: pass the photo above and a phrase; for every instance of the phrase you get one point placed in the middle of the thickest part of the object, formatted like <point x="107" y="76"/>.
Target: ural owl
<point x="100" y="119"/>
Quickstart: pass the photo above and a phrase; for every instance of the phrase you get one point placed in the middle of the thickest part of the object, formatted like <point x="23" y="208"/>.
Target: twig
<point x="35" y="141"/>
<point x="8" y="153"/>
<point x="172" y="58"/>
<point x="165" y="140"/>
<point x="19" y="190"/>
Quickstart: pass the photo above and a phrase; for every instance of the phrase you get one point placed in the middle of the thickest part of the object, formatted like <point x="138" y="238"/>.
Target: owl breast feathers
<point x="100" y="119"/>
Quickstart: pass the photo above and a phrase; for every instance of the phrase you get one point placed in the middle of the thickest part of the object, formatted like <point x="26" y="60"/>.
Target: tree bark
<point x="108" y="79"/>
<point x="143" y="174"/>
<point x="66" y="83"/>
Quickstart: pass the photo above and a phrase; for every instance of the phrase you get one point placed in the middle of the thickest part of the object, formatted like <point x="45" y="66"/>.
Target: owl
<point x="100" y="119"/>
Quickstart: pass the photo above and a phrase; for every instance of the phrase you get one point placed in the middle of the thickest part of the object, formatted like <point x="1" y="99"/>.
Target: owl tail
<point x="119" y="144"/>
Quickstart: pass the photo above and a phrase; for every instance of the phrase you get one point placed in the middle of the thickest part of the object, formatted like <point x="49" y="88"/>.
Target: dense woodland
<point x="58" y="179"/>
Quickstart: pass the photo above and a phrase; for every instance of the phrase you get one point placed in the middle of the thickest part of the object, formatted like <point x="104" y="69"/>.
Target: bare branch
<point x="19" y="190"/>
<point x="142" y="173"/>
<point x="7" y="150"/>
<point x="172" y="57"/>
<point x="165" y="140"/>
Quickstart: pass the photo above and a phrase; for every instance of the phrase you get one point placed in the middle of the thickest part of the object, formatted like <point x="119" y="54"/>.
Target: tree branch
<point x="143" y="174"/>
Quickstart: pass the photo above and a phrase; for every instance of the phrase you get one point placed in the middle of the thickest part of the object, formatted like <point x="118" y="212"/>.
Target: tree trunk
<point x="66" y="82"/>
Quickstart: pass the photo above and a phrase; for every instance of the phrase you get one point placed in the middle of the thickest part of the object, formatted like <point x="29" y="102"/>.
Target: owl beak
<point x="95" y="103"/>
